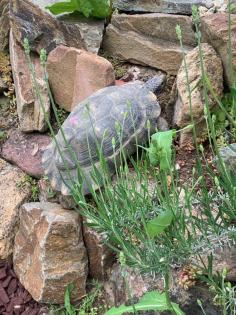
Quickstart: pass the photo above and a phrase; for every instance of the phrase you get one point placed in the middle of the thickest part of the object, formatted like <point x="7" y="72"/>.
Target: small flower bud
<point x="178" y="32"/>
<point x="26" y="46"/>
<point x="43" y="57"/>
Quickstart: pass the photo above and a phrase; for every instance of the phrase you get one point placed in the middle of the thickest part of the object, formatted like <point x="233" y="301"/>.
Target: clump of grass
<point x="28" y="182"/>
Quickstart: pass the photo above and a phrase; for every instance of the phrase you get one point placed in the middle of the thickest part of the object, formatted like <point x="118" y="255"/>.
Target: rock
<point x="3" y="86"/>
<point x="25" y="150"/>
<point x="224" y="258"/>
<point x="4" y="24"/>
<point x="149" y="39"/>
<point x="100" y="256"/>
<point x="228" y="155"/>
<point x="215" y="32"/>
<point x="91" y="30"/>
<point x="214" y="71"/>
<point x="162" y="124"/>
<point x="29" y="108"/>
<point x="42" y="29"/>
<point x="162" y="6"/>
<point x="47" y="194"/>
<point x="11" y="198"/>
<point x="49" y="252"/>
<point x="125" y="283"/>
<point x="83" y="73"/>
<point x="121" y="281"/>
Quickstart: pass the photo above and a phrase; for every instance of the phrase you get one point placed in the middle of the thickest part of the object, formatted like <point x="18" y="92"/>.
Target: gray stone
<point x="91" y="30"/>
<point x="228" y="155"/>
<point x="49" y="252"/>
<point x="163" y="6"/>
<point x="149" y="39"/>
<point x="30" y="19"/>
<point x="41" y="29"/>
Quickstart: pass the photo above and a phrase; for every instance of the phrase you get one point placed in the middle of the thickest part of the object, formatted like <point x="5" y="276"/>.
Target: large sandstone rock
<point x="41" y="29"/>
<point x="149" y="39"/>
<point x="215" y="32"/>
<point x="4" y="24"/>
<point x="163" y="6"/>
<point x="29" y="107"/>
<point x="11" y="198"/>
<point x="75" y="74"/>
<point x="100" y="256"/>
<point x="214" y="71"/>
<point x="49" y="252"/>
<point x="25" y="150"/>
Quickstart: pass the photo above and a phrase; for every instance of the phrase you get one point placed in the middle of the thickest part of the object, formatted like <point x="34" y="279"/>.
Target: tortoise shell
<point x="109" y="119"/>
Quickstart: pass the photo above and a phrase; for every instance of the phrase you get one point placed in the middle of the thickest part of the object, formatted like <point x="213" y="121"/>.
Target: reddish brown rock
<point x="215" y="32"/>
<point x="29" y="108"/>
<point x="75" y="74"/>
<point x="11" y="198"/>
<point x="25" y="150"/>
<point x="41" y="29"/>
<point x="49" y="252"/>
<point x="100" y="256"/>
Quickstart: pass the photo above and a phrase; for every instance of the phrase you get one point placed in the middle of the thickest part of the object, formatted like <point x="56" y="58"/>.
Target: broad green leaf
<point x="151" y="301"/>
<point x="157" y="225"/>
<point x="99" y="9"/>
<point x="61" y="7"/>
<point x="160" y="149"/>
<point x="68" y="306"/>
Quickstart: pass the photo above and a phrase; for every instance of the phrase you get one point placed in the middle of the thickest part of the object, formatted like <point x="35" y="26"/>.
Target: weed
<point x="87" y="305"/>
<point x="28" y="182"/>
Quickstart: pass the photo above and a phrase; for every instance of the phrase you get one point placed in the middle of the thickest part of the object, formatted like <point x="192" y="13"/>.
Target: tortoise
<point x="98" y="121"/>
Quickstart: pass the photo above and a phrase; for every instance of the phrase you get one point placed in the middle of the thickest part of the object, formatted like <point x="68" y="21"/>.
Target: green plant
<point x="86" y="306"/>
<point x="151" y="301"/>
<point x="99" y="9"/>
<point x="28" y="182"/>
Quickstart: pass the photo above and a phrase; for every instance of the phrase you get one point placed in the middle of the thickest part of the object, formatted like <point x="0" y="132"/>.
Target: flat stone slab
<point x="25" y="150"/>
<point x="149" y="39"/>
<point x="162" y="6"/>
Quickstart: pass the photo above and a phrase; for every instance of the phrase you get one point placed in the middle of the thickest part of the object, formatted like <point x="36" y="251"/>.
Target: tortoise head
<point x="156" y="84"/>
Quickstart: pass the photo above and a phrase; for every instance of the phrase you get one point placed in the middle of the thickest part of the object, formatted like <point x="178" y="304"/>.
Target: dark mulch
<point x="14" y="299"/>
